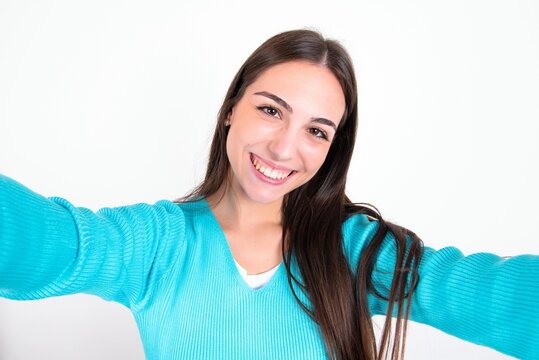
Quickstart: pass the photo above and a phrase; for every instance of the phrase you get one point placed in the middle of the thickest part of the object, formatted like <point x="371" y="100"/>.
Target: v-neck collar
<point x="215" y="228"/>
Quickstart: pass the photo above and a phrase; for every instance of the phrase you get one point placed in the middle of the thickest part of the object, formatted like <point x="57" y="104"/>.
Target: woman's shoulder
<point x="357" y="229"/>
<point x="196" y="211"/>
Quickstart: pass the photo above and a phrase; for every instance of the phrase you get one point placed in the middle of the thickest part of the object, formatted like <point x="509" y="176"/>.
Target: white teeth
<point x="269" y="172"/>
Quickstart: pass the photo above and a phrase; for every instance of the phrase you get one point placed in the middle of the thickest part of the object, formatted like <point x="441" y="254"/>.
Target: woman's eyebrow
<point x="277" y="99"/>
<point x="325" y="121"/>
<point x="284" y="104"/>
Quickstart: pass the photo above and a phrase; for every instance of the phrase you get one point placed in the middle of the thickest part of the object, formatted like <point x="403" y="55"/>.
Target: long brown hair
<point x="313" y="214"/>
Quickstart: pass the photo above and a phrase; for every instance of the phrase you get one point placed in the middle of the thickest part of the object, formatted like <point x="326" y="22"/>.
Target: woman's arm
<point x="481" y="298"/>
<point x="48" y="247"/>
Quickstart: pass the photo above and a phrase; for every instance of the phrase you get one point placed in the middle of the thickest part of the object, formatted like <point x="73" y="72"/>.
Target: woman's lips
<point x="269" y="172"/>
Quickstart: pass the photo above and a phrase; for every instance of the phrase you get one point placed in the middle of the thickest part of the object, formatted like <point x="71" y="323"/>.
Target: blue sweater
<point x="171" y="266"/>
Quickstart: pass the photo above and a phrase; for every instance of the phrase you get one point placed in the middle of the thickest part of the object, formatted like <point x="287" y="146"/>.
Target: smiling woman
<point x="267" y="257"/>
<point x="292" y="109"/>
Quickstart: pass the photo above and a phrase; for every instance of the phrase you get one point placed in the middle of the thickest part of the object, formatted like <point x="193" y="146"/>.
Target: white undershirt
<point x="256" y="281"/>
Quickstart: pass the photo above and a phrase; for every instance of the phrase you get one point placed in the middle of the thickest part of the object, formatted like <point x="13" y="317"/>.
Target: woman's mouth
<point x="271" y="173"/>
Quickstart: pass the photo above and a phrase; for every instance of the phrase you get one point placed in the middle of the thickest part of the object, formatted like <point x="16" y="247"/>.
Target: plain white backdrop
<point x="113" y="102"/>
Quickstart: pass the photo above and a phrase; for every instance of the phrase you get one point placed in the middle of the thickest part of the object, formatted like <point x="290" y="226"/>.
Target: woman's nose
<point x="283" y="145"/>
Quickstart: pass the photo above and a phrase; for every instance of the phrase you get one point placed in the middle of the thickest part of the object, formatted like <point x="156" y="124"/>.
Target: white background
<point x="113" y="102"/>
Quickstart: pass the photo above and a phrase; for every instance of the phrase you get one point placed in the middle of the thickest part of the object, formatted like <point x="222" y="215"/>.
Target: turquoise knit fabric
<point x="171" y="266"/>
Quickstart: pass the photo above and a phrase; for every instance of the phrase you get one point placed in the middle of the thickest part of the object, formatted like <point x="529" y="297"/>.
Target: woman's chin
<point x="265" y="198"/>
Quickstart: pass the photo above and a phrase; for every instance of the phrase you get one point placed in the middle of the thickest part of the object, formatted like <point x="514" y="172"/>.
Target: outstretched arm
<point x="48" y="247"/>
<point x="481" y="298"/>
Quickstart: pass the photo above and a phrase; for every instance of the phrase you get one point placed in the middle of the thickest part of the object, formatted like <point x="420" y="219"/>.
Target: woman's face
<point x="282" y="128"/>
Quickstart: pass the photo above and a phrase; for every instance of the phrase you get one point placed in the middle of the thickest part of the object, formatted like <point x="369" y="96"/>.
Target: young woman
<point x="268" y="258"/>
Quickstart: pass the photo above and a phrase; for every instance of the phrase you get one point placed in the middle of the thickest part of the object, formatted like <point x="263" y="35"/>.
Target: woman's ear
<point x="228" y="120"/>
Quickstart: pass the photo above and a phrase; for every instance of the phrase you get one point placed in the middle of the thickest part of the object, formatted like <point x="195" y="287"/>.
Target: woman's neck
<point x="234" y="209"/>
<point x="253" y="230"/>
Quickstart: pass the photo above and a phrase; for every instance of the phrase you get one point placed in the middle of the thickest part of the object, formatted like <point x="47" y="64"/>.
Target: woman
<point x="272" y="205"/>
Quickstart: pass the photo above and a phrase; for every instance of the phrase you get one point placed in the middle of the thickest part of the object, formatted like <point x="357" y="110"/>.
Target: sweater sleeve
<point x="48" y="247"/>
<point x="482" y="298"/>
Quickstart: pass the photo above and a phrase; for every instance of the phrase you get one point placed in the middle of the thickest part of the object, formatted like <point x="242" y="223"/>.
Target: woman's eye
<point x="269" y="110"/>
<point x="319" y="133"/>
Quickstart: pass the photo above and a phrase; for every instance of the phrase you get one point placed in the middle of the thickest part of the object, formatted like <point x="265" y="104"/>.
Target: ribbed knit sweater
<point x="170" y="264"/>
